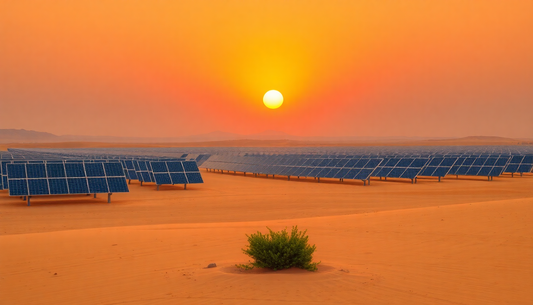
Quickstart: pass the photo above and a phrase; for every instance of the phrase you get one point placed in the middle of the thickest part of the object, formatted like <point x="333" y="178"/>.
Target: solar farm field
<point x="392" y="225"/>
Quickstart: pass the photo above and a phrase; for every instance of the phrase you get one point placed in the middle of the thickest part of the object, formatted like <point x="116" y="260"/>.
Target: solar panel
<point x="438" y="167"/>
<point x="176" y="172"/>
<point x="64" y="178"/>
<point x="18" y="187"/>
<point x="486" y="165"/>
<point x="394" y="167"/>
<point x="117" y="185"/>
<point x="519" y="164"/>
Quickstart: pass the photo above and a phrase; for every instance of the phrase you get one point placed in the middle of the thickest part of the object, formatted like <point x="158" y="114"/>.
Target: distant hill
<point x="26" y="136"/>
<point x="266" y="138"/>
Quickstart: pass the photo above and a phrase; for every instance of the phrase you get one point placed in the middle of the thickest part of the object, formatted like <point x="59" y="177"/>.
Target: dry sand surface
<point x="461" y="241"/>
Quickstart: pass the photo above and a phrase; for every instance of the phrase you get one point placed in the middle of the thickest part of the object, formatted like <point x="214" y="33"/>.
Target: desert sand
<point x="460" y="241"/>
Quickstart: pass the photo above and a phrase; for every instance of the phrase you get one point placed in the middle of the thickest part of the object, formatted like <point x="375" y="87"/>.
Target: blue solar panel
<point x="36" y="171"/>
<point x="145" y="177"/>
<point x="114" y="170"/>
<point x="194" y="178"/>
<point x="159" y="167"/>
<point x="94" y="170"/>
<point x="58" y="186"/>
<point x="38" y="187"/>
<point x="55" y="170"/>
<point x="18" y="187"/>
<point x="178" y="178"/>
<point x="162" y="178"/>
<point x="98" y="185"/>
<point x="520" y="164"/>
<point x="132" y="174"/>
<point x="117" y="185"/>
<point x="77" y="185"/>
<point x="190" y="166"/>
<point x="74" y="170"/>
<point x="16" y="171"/>
<point x="364" y="174"/>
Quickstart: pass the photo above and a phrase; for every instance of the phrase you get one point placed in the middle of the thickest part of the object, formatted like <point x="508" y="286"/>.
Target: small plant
<point x="279" y="250"/>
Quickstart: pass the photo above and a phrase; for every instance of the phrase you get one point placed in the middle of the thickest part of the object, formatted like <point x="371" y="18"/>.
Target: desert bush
<point x="280" y="250"/>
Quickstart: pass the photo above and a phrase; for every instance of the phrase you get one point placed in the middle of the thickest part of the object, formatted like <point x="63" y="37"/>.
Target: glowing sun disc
<point x="273" y="99"/>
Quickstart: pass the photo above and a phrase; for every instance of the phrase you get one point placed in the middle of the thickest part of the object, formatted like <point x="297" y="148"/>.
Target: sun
<point x="273" y="99"/>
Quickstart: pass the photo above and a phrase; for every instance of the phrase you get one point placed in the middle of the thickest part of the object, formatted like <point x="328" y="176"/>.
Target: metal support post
<point x="94" y="195"/>
<point x="318" y="179"/>
<point x="412" y="181"/>
<point x="439" y="178"/>
<point x="158" y="187"/>
<point x="28" y="200"/>
<point x="364" y="182"/>
<point x="368" y="181"/>
<point x="289" y="178"/>
<point x="129" y="181"/>
<point x="185" y="186"/>
<point x="109" y="197"/>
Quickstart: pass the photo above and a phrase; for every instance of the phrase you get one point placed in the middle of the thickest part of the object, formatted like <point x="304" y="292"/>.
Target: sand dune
<point x="465" y="241"/>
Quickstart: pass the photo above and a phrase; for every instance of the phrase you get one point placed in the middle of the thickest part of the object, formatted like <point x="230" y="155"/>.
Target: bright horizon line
<point x="277" y="131"/>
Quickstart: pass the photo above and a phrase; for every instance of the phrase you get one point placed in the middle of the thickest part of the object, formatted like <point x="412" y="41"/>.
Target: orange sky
<point x="345" y="68"/>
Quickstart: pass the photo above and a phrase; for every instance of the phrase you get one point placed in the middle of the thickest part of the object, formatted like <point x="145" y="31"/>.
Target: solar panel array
<point x="520" y="164"/>
<point x="438" y="167"/>
<point x="65" y="178"/>
<point x="339" y="167"/>
<point x="397" y="167"/>
<point x="175" y="172"/>
<point x="488" y="166"/>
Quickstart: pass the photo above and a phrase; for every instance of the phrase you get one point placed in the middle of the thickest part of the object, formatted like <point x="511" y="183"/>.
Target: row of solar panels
<point x="4" y="163"/>
<point x="163" y="172"/>
<point x="55" y="178"/>
<point x="160" y="172"/>
<point x="347" y="167"/>
<point x="373" y="152"/>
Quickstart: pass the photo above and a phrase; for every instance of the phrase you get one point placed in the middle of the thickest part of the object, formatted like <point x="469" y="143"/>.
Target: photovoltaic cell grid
<point x="129" y="169"/>
<point x="408" y="168"/>
<point x="143" y="171"/>
<point x="176" y="172"/>
<point x="65" y="178"/>
<point x="488" y="166"/>
<point x="3" y="168"/>
<point x="344" y="167"/>
<point x="438" y="167"/>
<point x="519" y="164"/>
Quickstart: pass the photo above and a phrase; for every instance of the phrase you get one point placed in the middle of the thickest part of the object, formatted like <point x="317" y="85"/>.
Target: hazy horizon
<point x="359" y="68"/>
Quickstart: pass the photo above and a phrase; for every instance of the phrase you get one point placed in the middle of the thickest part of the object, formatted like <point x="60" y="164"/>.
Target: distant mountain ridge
<point x="30" y="136"/>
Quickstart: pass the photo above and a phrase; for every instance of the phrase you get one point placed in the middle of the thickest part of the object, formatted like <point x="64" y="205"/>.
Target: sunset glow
<point x="353" y="68"/>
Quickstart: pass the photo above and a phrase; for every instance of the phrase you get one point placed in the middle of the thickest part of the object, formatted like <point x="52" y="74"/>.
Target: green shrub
<point x="279" y="250"/>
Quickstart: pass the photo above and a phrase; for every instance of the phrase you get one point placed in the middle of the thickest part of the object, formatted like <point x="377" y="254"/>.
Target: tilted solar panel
<point x="64" y="178"/>
<point x="176" y="172"/>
